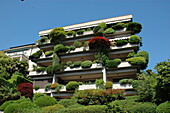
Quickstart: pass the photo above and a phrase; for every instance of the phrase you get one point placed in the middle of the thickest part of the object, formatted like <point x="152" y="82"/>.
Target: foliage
<point x="25" y="105"/>
<point x="40" y="69"/>
<point x="45" y="101"/>
<point x="51" y="69"/>
<point x="35" y="55"/>
<point x="36" y="88"/>
<point x="75" y="106"/>
<point x="57" y="35"/>
<point x="48" y="53"/>
<point x="98" y="96"/>
<point x="132" y="54"/>
<point x="86" y="64"/>
<point x="37" y="95"/>
<point x="134" y="27"/>
<point x="72" y="85"/>
<point x="70" y="33"/>
<point x="103" y="25"/>
<point x="99" y="83"/>
<point x="67" y="102"/>
<point x="121" y="42"/>
<point x="140" y="61"/>
<point x="60" y="48"/>
<point x="58" y="87"/>
<point x="53" y="86"/>
<point x="52" y="109"/>
<point x="101" y="58"/>
<point x="108" y="84"/>
<point x="81" y="31"/>
<point x="143" y="54"/>
<point x="12" y="108"/>
<point x="126" y="81"/>
<point x="26" y="89"/>
<point x="89" y="29"/>
<point x="47" y="86"/>
<point x="77" y="44"/>
<point x="113" y="63"/>
<point x="55" y="59"/>
<point x="99" y="43"/>
<point x="42" y="40"/>
<point x="134" y="39"/>
<point x="118" y="26"/>
<point x="96" y="28"/>
<point x="72" y="47"/>
<point x="86" y="109"/>
<point x="77" y="63"/>
<point x="5" y="104"/>
<point x="109" y="31"/>
<point x="68" y="63"/>
<point x="163" y="107"/>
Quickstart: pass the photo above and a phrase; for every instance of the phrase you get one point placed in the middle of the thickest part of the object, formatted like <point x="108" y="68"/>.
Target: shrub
<point x="52" y="109"/>
<point x="53" y="86"/>
<point x="49" y="69"/>
<point x="58" y="87"/>
<point x="77" y="44"/>
<point x="103" y="25"/>
<point x="86" y="109"/>
<point x="26" y="89"/>
<point x="86" y="64"/>
<point x="37" y="95"/>
<point x="72" y="47"/>
<point x="89" y="29"/>
<point x="99" y="83"/>
<point x="12" y="108"/>
<point x="26" y="105"/>
<point x="134" y="27"/>
<point x="77" y="63"/>
<point x="109" y="31"/>
<point x="134" y="39"/>
<point x="60" y="48"/>
<point x="113" y="63"/>
<point x="138" y="61"/>
<point x="143" y="54"/>
<point x="126" y="81"/>
<point x="35" y="55"/>
<point x="144" y="108"/>
<point x="98" y="96"/>
<point x="99" y="43"/>
<point x="108" y="85"/>
<point x="118" y="26"/>
<point x="131" y="54"/>
<point x="40" y="69"/>
<point x="68" y="63"/>
<point x="36" y="88"/>
<point x="121" y="42"/>
<point x="96" y="28"/>
<point x="5" y="104"/>
<point x="42" y="40"/>
<point x="81" y="31"/>
<point x="67" y="102"/>
<point x="48" y="53"/>
<point x="75" y="106"/>
<point x="72" y="85"/>
<point x="45" y="101"/>
<point x="47" y="86"/>
<point x="163" y="107"/>
<point x="70" y="33"/>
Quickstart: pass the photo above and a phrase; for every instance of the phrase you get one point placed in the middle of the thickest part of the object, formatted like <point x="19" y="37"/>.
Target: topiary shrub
<point x="40" y="69"/>
<point x="48" y="53"/>
<point x="144" y="108"/>
<point x="52" y="109"/>
<point x="131" y="54"/>
<point x="26" y="89"/>
<point x="143" y="54"/>
<point x="42" y="40"/>
<point x="86" y="64"/>
<point x="75" y="106"/>
<point x="26" y="105"/>
<point x="72" y="47"/>
<point x="68" y="63"/>
<point x="134" y="27"/>
<point x="126" y="81"/>
<point x="77" y="44"/>
<point x="5" y="104"/>
<point x="35" y="55"/>
<point x="108" y="84"/>
<point x="37" y="95"/>
<point x="121" y="42"/>
<point x="140" y="61"/>
<point x="77" y="63"/>
<point x="67" y="102"/>
<point x="12" y="108"/>
<point x="36" y="88"/>
<point x="60" y="48"/>
<point x="109" y="31"/>
<point x="118" y="26"/>
<point x="103" y="25"/>
<point x="113" y="63"/>
<point x="81" y="31"/>
<point x="70" y="33"/>
<point x="53" y="86"/>
<point x="163" y="107"/>
<point x="134" y="39"/>
<point x="72" y="85"/>
<point x="45" y="101"/>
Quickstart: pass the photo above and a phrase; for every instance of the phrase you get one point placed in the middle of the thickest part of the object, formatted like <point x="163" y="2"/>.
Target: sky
<point x="21" y="20"/>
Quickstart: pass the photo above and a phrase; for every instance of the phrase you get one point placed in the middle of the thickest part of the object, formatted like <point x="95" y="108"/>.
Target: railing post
<point x="104" y="74"/>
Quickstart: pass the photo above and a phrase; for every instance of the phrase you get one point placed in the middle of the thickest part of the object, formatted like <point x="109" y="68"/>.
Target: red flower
<point x="26" y="89"/>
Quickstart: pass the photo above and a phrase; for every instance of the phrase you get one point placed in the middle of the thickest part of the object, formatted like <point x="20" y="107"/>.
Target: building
<point x="42" y="56"/>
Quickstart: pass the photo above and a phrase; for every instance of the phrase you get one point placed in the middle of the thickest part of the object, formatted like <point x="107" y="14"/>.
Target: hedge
<point x="77" y="44"/>
<point x="125" y="81"/>
<point x="45" y="101"/>
<point x="109" y="31"/>
<point x="48" y="53"/>
<point x="5" y="104"/>
<point x="108" y="84"/>
<point x="143" y="54"/>
<point x="121" y="42"/>
<point x="86" y="64"/>
<point x="12" y="108"/>
<point x="67" y="102"/>
<point x="60" y="48"/>
<point x="113" y="63"/>
<point x="72" y="85"/>
<point x="118" y="26"/>
<point x="163" y="107"/>
<point x="140" y="61"/>
<point x="79" y="32"/>
<point x="42" y="40"/>
<point x="77" y="63"/>
<point x="134" y="27"/>
<point x="37" y="95"/>
<point x="103" y="25"/>
<point x="40" y="69"/>
<point x="52" y="109"/>
<point x="134" y="39"/>
<point x="96" y="28"/>
<point x="70" y="33"/>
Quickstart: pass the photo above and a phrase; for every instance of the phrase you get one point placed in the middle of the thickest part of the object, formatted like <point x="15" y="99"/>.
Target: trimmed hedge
<point x="72" y="85"/>
<point x="60" y="48"/>
<point x="70" y="33"/>
<point x="52" y="109"/>
<point x="118" y="26"/>
<point x="68" y="63"/>
<point x="67" y="102"/>
<point x="121" y="42"/>
<point x="132" y="54"/>
<point x="72" y="47"/>
<point x="125" y="81"/>
<point x="86" y="64"/>
<point x="163" y="107"/>
<point x="143" y="54"/>
<point x="37" y="95"/>
<point x="81" y="31"/>
<point x="12" y="108"/>
<point x="134" y="39"/>
<point x="134" y="27"/>
<point x="103" y="25"/>
<point x="42" y="40"/>
<point x="141" y="61"/>
<point x="109" y="31"/>
<point x="77" y="63"/>
<point x="5" y="104"/>
<point x="108" y="84"/>
<point x="45" y="101"/>
<point x="113" y="63"/>
<point x="48" y="53"/>
<point x="77" y="44"/>
<point x="40" y="69"/>
<point x="36" y="55"/>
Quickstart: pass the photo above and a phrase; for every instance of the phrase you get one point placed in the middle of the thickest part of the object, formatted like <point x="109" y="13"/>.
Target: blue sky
<point x="20" y="21"/>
